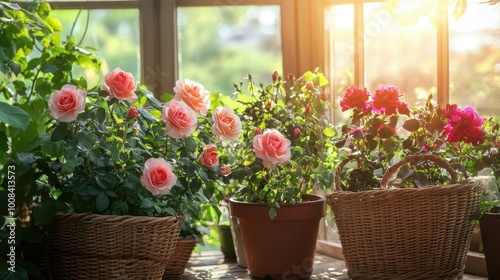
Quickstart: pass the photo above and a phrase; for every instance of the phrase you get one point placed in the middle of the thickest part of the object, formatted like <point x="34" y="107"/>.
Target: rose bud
<point x="276" y="76"/>
<point x="324" y="96"/>
<point x="296" y="131"/>
<point x="308" y="109"/>
<point x="133" y="113"/>
<point x="309" y="85"/>
<point x="291" y="78"/>
<point x="257" y="130"/>
<point x="224" y="170"/>
<point x="269" y="103"/>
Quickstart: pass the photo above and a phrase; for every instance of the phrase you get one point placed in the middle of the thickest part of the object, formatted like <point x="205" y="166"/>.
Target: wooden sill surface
<point x="211" y="265"/>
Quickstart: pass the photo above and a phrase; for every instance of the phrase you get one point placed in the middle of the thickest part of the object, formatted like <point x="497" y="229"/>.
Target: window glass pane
<point x="400" y="49"/>
<point x="475" y="58"/>
<point x="221" y="49"/>
<point x="113" y="32"/>
<point x="340" y="30"/>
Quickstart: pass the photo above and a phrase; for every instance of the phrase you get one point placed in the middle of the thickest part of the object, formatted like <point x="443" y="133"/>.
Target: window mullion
<point x="359" y="49"/>
<point x="443" y="57"/>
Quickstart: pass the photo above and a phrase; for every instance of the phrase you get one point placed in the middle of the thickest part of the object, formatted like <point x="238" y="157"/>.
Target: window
<point x="221" y="49"/>
<point x="113" y="32"/>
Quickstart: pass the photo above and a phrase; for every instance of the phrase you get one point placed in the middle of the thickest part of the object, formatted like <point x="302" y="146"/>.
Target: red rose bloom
<point x="386" y="101"/>
<point x="355" y="98"/>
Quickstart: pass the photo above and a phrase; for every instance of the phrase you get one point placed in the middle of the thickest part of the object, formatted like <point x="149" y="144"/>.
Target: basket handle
<point x="343" y="163"/>
<point x="391" y="171"/>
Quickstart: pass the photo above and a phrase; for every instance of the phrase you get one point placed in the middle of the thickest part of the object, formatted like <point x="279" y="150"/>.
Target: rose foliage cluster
<point x="284" y="151"/>
<point x="118" y="150"/>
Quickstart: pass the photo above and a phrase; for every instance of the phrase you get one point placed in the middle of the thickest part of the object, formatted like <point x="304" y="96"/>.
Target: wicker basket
<point x="411" y="233"/>
<point x="176" y="264"/>
<point x="91" y="246"/>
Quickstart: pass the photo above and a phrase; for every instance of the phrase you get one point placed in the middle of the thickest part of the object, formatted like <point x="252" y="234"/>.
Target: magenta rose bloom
<point x="463" y="125"/>
<point x="386" y="101"/>
<point x="355" y="98"/>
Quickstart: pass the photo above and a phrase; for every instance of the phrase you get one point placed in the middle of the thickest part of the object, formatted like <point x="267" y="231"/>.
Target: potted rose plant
<point x="376" y="210"/>
<point x="118" y="153"/>
<point x="281" y="158"/>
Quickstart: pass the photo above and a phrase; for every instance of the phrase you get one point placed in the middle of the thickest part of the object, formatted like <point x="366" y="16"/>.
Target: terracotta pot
<point x="282" y="248"/>
<point x="239" y="248"/>
<point x="490" y="234"/>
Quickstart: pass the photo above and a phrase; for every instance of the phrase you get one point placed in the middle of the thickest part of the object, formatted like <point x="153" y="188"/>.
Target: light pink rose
<point x="194" y="94"/>
<point x="272" y="147"/>
<point x="227" y="125"/>
<point x="210" y="157"/>
<point x="224" y="170"/>
<point x="180" y="120"/>
<point x="120" y="85"/>
<point x="67" y="103"/>
<point x="158" y="177"/>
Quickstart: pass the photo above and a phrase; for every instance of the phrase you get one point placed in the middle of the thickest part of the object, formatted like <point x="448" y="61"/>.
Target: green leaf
<point x="3" y="142"/>
<point x="191" y="144"/>
<point x="390" y="145"/>
<point x="460" y="8"/>
<point x="146" y="203"/>
<point x="147" y="116"/>
<point x="101" y="114"/>
<point x="272" y="213"/>
<point x="329" y="132"/>
<point x="43" y="214"/>
<point x="11" y="6"/>
<point x="54" y="23"/>
<point x="60" y="132"/>
<point x="101" y="202"/>
<point x="385" y="132"/>
<point x="411" y="125"/>
<point x="14" y="66"/>
<point x="19" y="274"/>
<point x="14" y="116"/>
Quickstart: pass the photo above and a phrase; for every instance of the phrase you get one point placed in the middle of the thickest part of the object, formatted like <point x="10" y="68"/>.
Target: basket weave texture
<point x="411" y="233"/>
<point x="176" y="264"/>
<point x="91" y="246"/>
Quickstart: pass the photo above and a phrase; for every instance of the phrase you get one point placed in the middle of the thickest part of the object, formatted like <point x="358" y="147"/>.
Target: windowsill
<point x="211" y="265"/>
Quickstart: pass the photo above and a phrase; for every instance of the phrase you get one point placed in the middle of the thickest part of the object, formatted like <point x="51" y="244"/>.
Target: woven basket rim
<point x="459" y="184"/>
<point x="114" y="217"/>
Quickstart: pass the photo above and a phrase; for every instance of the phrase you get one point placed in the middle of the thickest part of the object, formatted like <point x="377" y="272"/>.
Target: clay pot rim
<point x="313" y="198"/>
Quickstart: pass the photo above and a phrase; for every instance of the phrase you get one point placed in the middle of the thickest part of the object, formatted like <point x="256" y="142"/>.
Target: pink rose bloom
<point x="386" y="101"/>
<point x="180" y="120"/>
<point x="210" y="157"/>
<point x="227" y="125"/>
<point x="67" y="103"/>
<point x="464" y="125"/>
<point x="355" y="98"/>
<point x="157" y="176"/>
<point x="120" y="85"/>
<point x="194" y="94"/>
<point x="224" y="170"/>
<point x="272" y="147"/>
